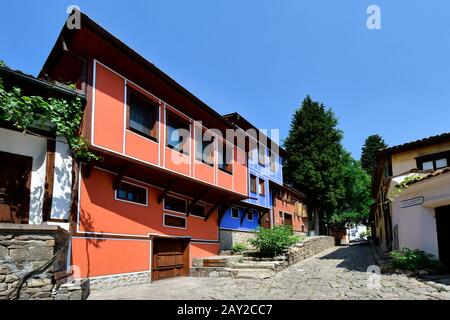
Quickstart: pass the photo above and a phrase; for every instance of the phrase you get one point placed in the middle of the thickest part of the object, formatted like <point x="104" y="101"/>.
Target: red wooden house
<point x="151" y="204"/>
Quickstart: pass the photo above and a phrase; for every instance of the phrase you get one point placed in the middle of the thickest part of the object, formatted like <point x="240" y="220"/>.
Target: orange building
<point x="150" y="205"/>
<point x="290" y="208"/>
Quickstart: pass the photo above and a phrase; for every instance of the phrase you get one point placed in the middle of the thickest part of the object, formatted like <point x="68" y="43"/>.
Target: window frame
<point x="252" y="213"/>
<point x="262" y="153"/>
<point x="172" y="215"/>
<point x="177" y="198"/>
<point x="202" y="146"/>
<point x="433" y="158"/>
<point x="153" y="134"/>
<point x="262" y="191"/>
<point x="238" y="214"/>
<point x="169" y="114"/>
<point x="224" y="167"/>
<point x="198" y="216"/>
<point x="253" y="185"/>
<point x="133" y="186"/>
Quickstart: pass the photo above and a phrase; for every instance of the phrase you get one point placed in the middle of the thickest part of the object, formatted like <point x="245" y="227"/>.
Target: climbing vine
<point x="399" y="188"/>
<point x="64" y="115"/>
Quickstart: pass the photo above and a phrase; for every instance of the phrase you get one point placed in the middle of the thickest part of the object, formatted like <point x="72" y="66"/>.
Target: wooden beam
<point x="88" y="170"/>
<point x="166" y="191"/>
<point x="195" y="200"/>
<point x="119" y="177"/>
<point x="215" y="207"/>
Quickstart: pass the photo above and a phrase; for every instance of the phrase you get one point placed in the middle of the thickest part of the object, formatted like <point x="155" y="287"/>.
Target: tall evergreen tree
<point x="314" y="158"/>
<point x="372" y="145"/>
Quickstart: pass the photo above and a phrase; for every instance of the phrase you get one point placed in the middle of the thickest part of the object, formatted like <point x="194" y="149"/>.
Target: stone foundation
<point x="308" y="248"/>
<point x="120" y="280"/>
<point x="228" y="238"/>
<point x="25" y="248"/>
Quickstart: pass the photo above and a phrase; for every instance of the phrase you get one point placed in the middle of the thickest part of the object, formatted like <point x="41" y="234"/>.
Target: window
<point x="441" y="163"/>
<point x="433" y="161"/>
<point x="178" y="133"/>
<point x="142" y="113"/>
<point x="280" y="214"/>
<point x="226" y="157"/>
<point x="272" y="160"/>
<point x="128" y="192"/>
<point x="261" y="187"/>
<point x="262" y="155"/>
<point x="204" y="148"/>
<point x="235" y="213"/>
<point x="174" y="222"/>
<point x="175" y="204"/>
<point x="250" y="215"/>
<point x="252" y="183"/>
<point x="198" y="211"/>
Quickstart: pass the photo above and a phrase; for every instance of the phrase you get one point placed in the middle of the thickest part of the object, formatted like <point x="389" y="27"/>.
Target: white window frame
<point x="132" y="202"/>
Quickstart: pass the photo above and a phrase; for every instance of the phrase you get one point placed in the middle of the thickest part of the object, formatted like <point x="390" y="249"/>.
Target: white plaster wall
<point x="417" y="224"/>
<point x="35" y="147"/>
<point x="62" y="182"/>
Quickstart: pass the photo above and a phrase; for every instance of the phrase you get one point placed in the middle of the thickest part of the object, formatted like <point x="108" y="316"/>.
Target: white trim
<point x="164" y="134"/>
<point x="125" y="90"/>
<point x="117" y="275"/>
<point x="150" y="262"/>
<point x="141" y="136"/>
<point x="79" y="196"/>
<point x="94" y="89"/>
<point x="172" y="215"/>
<point x="176" y="197"/>
<point x="159" y="132"/>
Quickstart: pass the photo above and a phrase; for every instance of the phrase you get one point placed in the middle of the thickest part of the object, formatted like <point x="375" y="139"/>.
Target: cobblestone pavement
<point x="336" y="273"/>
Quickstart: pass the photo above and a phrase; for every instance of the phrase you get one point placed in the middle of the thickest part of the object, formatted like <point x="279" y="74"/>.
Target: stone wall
<point x="228" y="238"/>
<point x="25" y="248"/>
<point x="122" y="280"/>
<point x="308" y="248"/>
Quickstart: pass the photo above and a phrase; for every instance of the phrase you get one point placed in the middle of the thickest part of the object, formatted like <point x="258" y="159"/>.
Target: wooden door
<point x="443" y="234"/>
<point x="15" y="179"/>
<point x="170" y="258"/>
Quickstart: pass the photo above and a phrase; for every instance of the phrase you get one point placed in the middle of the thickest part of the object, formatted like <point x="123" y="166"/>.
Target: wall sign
<point x="411" y="202"/>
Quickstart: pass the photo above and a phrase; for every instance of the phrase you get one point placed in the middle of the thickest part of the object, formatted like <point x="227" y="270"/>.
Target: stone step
<point x="255" y="265"/>
<point x="254" y="273"/>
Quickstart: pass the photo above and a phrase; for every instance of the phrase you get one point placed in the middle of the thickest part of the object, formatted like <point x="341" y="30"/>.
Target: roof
<point x="290" y="189"/>
<point x="16" y="77"/>
<point x="444" y="137"/>
<point x="88" y="23"/>
<point x="430" y="175"/>
<point x="237" y="118"/>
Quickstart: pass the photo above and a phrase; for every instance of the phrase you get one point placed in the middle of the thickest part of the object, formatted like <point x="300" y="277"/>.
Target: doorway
<point x="443" y="234"/>
<point x="170" y="258"/>
<point x="15" y="180"/>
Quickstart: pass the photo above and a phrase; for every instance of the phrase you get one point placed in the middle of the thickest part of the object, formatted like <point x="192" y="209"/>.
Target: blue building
<point x="240" y="219"/>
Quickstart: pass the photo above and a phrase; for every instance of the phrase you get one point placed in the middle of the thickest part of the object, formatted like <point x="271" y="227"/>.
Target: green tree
<point x="356" y="204"/>
<point x="314" y="158"/>
<point x="372" y="145"/>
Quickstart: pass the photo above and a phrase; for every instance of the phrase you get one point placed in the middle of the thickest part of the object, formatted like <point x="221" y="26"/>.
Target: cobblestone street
<point x="336" y="273"/>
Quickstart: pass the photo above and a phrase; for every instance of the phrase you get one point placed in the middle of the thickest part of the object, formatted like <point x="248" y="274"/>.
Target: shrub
<point x="239" y="247"/>
<point x="272" y="242"/>
<point x="414" y="259"/>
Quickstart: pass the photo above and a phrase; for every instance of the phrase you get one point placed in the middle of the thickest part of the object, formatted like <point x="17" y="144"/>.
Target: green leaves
<point x="413" y="260"/>
<point x="272" y="242"/>
<point x="372" y="145"/>
<point x="24" y="111"/>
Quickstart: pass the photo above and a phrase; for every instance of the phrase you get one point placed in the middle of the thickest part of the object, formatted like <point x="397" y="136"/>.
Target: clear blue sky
<point x="261" y="58"/>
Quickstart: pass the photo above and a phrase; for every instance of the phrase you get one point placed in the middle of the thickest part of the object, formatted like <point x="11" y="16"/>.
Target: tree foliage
<point x="372" y="145"/>
<point x="65" y="116"/>
<point x="314" y="156"/>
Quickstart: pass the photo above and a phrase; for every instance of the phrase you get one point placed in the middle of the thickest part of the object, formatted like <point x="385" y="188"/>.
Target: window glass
<point x="235" y="213"/>
<point x="428" y="165"/>
<point x="252" y="183"/>
<point x="261" y="187"/>
<point x="175" y="204"/>
<point x="225" y="157"/>
<point x="172" y="221"/>
<point x="198" y="211"/>
<point x="441" y="163"/>
<point x="142" y="114"/>
<point x="204" y="148"/>
<point x="131" y="193"/>
<point x="250" y="215"/>
<point x="178" y="133"/>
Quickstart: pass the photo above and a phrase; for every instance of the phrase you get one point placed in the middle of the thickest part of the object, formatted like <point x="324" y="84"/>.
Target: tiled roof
<point x="431" y="175"/>
<point x="420" y="143"/>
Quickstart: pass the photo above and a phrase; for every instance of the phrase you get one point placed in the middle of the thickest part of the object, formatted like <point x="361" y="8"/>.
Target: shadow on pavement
<point x="356" y="256"/>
